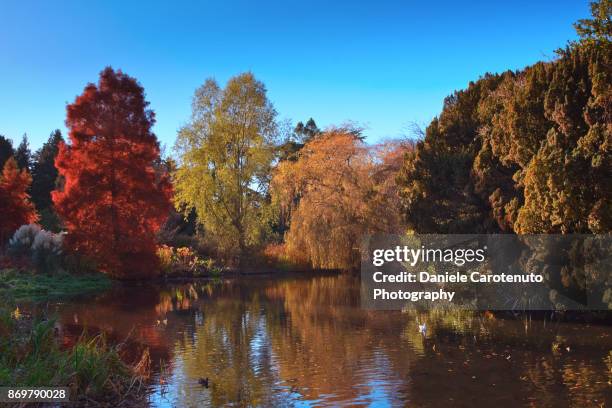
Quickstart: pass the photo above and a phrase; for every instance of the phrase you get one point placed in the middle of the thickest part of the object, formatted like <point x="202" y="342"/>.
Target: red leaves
<point x="113" y="200"/>
<point x="15" y="206"/>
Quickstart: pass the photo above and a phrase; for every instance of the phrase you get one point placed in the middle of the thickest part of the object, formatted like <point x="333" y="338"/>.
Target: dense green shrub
<point x="524" y="152"/>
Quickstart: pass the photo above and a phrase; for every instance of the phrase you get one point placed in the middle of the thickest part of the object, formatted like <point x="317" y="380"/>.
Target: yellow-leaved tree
<point x="224" y="159"/>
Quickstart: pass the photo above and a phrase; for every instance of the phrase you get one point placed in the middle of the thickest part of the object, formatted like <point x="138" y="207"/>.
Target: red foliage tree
<point x="16" y="208"/>
<point x="113" y="201"/>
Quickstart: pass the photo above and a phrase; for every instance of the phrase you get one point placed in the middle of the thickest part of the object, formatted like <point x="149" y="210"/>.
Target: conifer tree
<point x="44" y="172"/>
<point x="6" y="150"/>
<point x="524" y="152"/>
<point x="112" y="201"/>
<point x="23" y="155"/>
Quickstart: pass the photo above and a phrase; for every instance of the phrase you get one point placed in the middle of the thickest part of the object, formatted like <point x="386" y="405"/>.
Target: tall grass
<point x="30" y="355"/>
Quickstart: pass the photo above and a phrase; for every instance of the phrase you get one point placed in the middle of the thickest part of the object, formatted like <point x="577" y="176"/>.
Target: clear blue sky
<point x="384" y="64"/>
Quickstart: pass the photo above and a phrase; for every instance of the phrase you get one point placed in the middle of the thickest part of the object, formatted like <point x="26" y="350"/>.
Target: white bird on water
<point x="422" y="328"/>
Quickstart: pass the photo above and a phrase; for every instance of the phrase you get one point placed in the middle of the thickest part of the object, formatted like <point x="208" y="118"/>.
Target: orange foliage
<point x="277" y="256"/>
<point x="113" y="200"/>
<point x="15" y="205"/>
<point x="338" y="191"/>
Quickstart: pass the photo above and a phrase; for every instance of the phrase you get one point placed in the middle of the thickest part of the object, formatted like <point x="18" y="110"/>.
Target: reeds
<point x="30" y="355"/>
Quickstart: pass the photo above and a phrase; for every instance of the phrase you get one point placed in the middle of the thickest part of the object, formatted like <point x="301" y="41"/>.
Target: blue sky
<point x="383" y="64"/>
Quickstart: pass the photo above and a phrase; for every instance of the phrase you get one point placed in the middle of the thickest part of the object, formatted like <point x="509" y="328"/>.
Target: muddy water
<point x="304" y="341"/>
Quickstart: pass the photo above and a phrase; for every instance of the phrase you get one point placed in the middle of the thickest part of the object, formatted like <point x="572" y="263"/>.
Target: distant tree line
<point x="41" y="172"/>
<point x="517" y="152"/>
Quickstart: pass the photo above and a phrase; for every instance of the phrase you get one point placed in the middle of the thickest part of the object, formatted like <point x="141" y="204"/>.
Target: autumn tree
<point x="335" y="193"/>
<point x="225" y="154"/>
<point x="15" y="205"/>
<point x="112" y="201"/>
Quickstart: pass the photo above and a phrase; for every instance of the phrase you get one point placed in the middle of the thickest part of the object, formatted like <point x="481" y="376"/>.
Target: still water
<point x="305" y="341"/>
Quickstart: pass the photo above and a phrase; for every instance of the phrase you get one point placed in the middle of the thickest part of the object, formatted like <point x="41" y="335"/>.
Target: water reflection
<point x="304" y="341"/>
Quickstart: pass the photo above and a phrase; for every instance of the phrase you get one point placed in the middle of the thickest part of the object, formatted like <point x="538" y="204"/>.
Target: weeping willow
<point x="335" y="193"/>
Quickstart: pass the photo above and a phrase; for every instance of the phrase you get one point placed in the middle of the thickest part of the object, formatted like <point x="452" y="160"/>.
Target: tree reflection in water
<point x="306" y="341"/>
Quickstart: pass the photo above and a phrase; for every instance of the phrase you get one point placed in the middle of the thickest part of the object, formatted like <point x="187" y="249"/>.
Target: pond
<point x="305" y="341"/>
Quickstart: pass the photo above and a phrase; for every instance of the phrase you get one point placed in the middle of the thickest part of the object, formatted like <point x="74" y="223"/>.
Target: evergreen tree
<point x="301" y="134"/>
<point x="305" y="132"/>
<point x="439" y="190"/>
<point x="6" y="150"/>
<point x="44" y="172"/>
<point x="44" y="181"/>
<point x="598" y="28"/>
<point x="523" y="152"/>
<point x="23" y="155"/>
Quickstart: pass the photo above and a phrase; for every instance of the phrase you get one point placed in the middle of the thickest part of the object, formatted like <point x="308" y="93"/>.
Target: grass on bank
<point x="31" y="356"/>
<point x="20" y="285"/>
